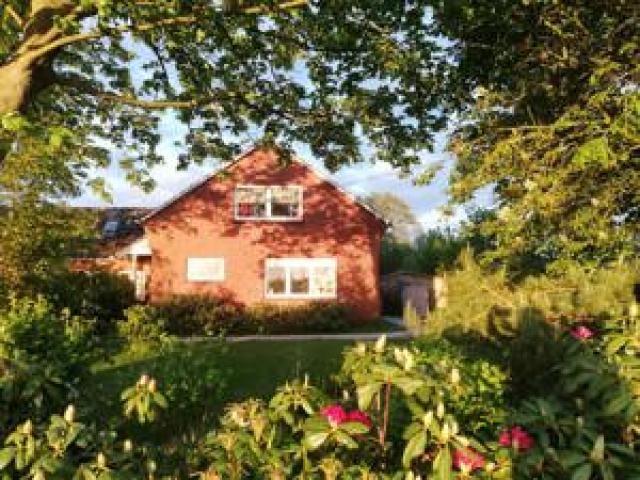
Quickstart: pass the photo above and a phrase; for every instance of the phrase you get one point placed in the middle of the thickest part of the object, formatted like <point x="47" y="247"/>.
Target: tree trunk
<point x="25" y="74"/>
<point x="17" y="80"/>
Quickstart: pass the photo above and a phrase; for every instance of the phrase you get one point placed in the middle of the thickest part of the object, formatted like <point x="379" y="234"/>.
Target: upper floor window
<point x="278" y="203"/>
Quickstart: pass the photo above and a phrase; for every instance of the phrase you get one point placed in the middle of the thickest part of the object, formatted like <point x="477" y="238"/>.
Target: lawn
<point x="194" y="372"/>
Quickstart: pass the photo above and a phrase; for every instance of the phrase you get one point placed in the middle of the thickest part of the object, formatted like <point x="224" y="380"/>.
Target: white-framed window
<point x="274" y="203"/>
<point x="301" y="278"/>
<point x="205" y="269"/>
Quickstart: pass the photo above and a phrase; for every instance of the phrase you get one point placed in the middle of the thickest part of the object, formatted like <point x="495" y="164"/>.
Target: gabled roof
<point x="243" y="155"/>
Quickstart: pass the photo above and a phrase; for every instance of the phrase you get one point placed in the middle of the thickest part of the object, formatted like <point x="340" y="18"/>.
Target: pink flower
<point x="505" y="439"/>
<point x="517" y="438"/>
<point x="582" y="333"/>
<point x="467" y="459"/>
<point x="359" y="416"/>
<point x="335" y="414"/>
<point x="521" y="439"/>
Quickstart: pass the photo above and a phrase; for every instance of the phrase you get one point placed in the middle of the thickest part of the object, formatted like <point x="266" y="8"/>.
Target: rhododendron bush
<point x="428" y="409"/>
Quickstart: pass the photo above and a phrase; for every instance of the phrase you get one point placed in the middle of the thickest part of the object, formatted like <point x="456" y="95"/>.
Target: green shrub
<point x="478" y="395"/>
<point x="486" y="302"/>
<point x="313" y="317"/>
<point x="102" y="296"/>
<point x="44" y="356"/>
<point x="143" y="323"/>
<point x="194" y="315"/>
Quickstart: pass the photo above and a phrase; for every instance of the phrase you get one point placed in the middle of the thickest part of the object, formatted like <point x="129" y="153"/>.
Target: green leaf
<point x="442" y="465"/>
<point x="597" y="453"/>
<point x="315" y="440"/>
<point x="366" y="393"/>
<point x="6" y="455"/>
<point x="345" y="439"/>
<point x="583" y="472"/>
<point x="354" y="428"/>
<point x="571" y="458"/>
<point x="593" y="151"/>
<point x="617" y="404"/>
<point x="316" y="424"/>
<point x="415" y="446"/>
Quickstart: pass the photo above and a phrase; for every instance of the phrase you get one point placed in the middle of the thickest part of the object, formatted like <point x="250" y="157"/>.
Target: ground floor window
<point x="205" y="269"/>
<point x="300" y="277"/>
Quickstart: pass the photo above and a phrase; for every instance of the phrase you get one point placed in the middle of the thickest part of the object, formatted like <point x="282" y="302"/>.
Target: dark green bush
<point x="188" y="315"/>
<point x="102" y="296"/>
<point x="195" y="315"/>
<point x="312" y="317"/>
<point x="43" y="357"/>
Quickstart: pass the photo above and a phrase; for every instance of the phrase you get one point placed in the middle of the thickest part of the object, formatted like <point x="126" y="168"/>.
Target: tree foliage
<point x="332" y="75"/>
<point x="403" y="224"/>
<point x="551" y="121"/>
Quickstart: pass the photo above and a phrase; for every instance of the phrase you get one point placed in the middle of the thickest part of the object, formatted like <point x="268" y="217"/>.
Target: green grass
<point x="247" y="369"/>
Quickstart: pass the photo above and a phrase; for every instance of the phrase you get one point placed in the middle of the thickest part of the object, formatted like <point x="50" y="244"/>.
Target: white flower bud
<point x="128" y="445"/>
<point x="153" y="386"/>
<point x="101" y="460"/>
<point x="440" y="410"/>
<point x="27" y="428"/>
<point x="70" y="414"/>
<point x="144" y="380"/>
<point x="455" y="376"/>
<point x="398" y="355"/>
<point x="427" y="418"/>
<point x="445" y="434"/>
<point x="380" y="344"/>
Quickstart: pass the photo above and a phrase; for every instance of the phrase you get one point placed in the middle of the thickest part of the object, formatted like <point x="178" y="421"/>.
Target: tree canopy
<point x="92" y="75"/>
<point x="403" y="224"/>
<point x="549" y="107"/>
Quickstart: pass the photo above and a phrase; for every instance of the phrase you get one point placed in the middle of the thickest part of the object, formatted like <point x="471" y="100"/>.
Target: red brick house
<point x="258" y="231"/>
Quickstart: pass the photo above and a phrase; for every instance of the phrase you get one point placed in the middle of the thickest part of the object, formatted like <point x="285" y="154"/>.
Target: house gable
<point x="258" y="166"/>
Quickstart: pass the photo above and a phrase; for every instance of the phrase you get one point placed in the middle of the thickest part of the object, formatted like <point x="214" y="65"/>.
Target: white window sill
<point x="299" y="296"/>
<point x="268" y="219"/>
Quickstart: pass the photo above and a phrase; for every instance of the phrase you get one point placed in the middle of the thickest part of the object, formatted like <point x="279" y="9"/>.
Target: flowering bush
<point x="396" y="412"/>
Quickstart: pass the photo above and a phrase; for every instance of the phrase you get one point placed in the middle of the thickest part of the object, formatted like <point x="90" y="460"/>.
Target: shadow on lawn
<point x="200" y="379"/>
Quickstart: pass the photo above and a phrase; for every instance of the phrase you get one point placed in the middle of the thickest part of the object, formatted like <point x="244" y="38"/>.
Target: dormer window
<point x="271" y="203"/>
<point x="110" y="228"/>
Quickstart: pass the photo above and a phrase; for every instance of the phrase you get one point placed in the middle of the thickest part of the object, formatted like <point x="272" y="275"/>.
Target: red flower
<point x="582" y="333"/>
<point x="467" y="459"/>
<point x="335" y="414"/>
<point x="521" y="439"/>
<point x="359" y="416"/>
<point x="517" y="438"/>
<point x="505" y="439"/>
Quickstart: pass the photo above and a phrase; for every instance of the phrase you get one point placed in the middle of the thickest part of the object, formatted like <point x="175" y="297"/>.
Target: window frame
<point x="221" y="278"/>
<point x="268" y="204"/>
<point x="309" y="262"/>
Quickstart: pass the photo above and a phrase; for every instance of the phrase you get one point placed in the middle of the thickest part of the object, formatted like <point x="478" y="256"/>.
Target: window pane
<point x="299" y="280"/>
<point x="251" y="201"/>
<point x="285" y="202"/>
<point x="276" y="280"/>
<point x="324" y="280"/>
